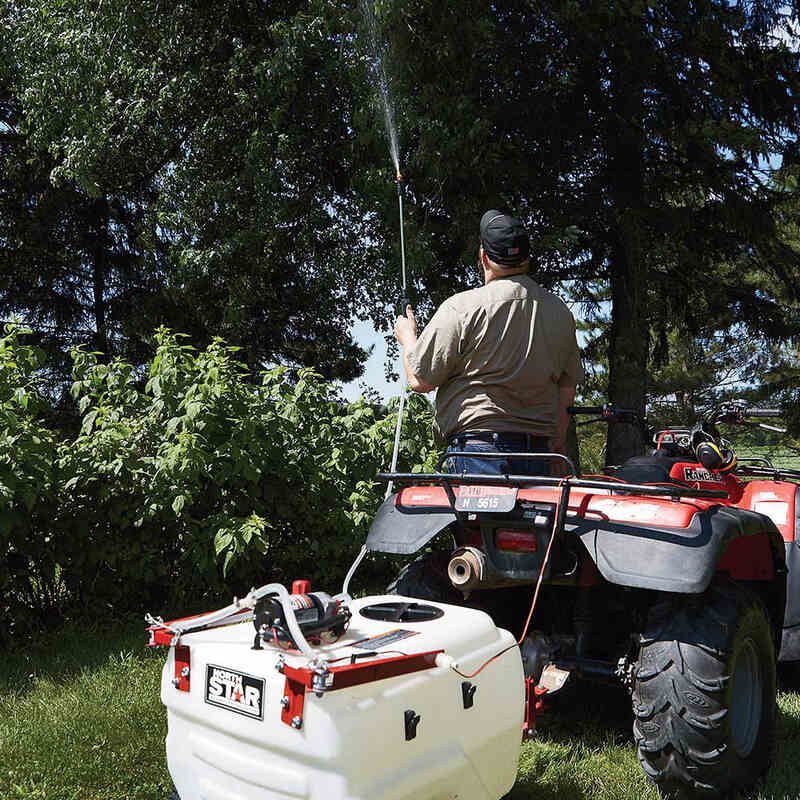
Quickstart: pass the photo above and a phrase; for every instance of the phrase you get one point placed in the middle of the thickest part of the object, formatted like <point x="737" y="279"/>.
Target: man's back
<point x="498" y="355"/>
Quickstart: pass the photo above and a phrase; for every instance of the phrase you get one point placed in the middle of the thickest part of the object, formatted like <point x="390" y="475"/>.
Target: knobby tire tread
<point x="682" y="689"/>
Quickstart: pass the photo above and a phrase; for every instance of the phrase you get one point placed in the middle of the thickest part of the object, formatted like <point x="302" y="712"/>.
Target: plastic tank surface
<point x="428" y="735"/>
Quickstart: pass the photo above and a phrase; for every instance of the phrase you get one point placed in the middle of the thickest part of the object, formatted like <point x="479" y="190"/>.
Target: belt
<point x="528" y="441"/>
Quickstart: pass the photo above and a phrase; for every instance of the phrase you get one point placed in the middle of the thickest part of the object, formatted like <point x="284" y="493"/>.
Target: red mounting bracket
<point x="292" y="702"/>
<point x="534" y="702"/>
<point x="182" y="668"/>
<point x="299" y="679"/>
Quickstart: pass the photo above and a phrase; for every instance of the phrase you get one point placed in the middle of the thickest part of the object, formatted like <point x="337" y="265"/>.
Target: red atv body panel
<point x="697" y="476"/>
<point x="671" y="544"/>
<point x="649" y="542"/>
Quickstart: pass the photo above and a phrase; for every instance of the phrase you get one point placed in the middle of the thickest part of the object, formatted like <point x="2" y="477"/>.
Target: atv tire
<point x="704" y="693"/>
<point x="426" y="579"/>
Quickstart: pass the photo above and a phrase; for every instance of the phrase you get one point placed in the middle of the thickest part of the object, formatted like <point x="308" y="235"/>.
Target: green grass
<point x="81" y="719"/>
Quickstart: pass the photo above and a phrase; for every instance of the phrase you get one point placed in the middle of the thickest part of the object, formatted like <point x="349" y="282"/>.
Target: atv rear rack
<point x="448" y="479"/>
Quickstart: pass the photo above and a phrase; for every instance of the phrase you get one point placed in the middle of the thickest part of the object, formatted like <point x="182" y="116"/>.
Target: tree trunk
<point x="629" y="331"/>
<point x="628" y="346"/>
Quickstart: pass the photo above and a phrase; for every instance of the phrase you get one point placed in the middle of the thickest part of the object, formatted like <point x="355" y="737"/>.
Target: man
<point x="503" y="357"/>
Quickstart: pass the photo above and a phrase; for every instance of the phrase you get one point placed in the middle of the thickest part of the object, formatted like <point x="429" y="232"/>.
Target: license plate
<point x="498" y="499"/>
<point x="235" y="691"/>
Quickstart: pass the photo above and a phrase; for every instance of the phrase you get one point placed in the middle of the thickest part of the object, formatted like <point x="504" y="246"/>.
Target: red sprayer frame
<point x="299" y="680"/>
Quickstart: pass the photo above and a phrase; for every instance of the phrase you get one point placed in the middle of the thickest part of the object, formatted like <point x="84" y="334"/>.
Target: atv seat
<point x="648" y="469"/>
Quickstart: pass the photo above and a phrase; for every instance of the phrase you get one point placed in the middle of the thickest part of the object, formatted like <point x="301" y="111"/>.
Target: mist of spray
<point x="378" y="55"/>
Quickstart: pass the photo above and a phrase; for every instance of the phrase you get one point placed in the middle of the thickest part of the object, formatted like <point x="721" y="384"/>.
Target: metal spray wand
<point x="405" y="303"/>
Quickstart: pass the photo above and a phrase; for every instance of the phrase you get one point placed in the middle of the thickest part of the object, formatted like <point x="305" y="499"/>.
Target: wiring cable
<point x="533" y="601"/>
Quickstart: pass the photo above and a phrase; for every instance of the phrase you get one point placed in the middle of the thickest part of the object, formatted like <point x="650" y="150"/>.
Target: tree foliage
<point x="29" y="574"/>
<point x="233" y="127"/>
<point x="238" y="152"/>
<point x="75" y="266"/>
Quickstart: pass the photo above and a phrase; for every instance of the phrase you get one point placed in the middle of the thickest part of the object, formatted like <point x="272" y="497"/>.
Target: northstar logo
<point x="235" y="691"/>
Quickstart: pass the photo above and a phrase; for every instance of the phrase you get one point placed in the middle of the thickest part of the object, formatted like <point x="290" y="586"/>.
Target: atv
<point x="667" y="575"/>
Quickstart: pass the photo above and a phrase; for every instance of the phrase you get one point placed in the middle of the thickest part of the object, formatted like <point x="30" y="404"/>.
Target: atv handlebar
<point x="731" y="414"/>
<point x="606" y="413"/>
<point x="738" y="414"/>
<point x="762" y="412"/>
<point x="585" y="409"/>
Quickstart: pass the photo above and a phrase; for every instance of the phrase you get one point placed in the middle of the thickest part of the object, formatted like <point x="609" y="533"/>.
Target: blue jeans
<point x="493" y="466"/>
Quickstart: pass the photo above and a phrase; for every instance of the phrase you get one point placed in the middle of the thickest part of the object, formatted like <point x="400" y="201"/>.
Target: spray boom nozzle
<point x="399" y="180"/>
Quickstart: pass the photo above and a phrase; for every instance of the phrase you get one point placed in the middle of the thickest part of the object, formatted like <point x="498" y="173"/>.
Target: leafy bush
<point x="194" y="475"/>
<point x="29" y="574"/>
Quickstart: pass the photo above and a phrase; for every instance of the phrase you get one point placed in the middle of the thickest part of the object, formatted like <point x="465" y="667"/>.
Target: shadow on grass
<point x="597" y="713"/>
<point x="62" y="654"/>
<point x="528" y="786"/>
<point x="789" y="676"/>
<point x="582" y="721"/>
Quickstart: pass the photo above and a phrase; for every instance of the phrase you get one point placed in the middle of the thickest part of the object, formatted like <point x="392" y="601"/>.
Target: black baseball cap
<point x="504" y="238"/>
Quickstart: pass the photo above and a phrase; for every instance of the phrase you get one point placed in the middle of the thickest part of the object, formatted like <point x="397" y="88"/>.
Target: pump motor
<point x="317" y="613"/>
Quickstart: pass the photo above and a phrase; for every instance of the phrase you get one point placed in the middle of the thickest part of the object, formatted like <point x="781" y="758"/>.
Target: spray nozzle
<point x="399" y="180"/>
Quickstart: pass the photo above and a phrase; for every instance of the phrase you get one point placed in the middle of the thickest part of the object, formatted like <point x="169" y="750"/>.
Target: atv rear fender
<point x="403" y="530"/>
<point x="742" y="543"/>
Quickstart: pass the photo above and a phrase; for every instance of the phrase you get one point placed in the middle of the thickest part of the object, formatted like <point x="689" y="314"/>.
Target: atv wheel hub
<point x="746" y="699"/>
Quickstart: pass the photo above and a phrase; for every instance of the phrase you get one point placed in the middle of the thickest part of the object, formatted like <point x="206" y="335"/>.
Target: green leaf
<point x="88" y="421"/>
<point x="178" y="503"/>
<point x="222" y="540"/>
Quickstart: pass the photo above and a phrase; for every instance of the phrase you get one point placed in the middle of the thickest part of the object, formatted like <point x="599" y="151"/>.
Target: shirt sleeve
<point x="436" y="355"/>
<point x="573" y="372"/>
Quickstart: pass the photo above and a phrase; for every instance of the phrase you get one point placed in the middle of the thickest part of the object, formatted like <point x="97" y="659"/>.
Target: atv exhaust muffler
<point x="466" y="568"/>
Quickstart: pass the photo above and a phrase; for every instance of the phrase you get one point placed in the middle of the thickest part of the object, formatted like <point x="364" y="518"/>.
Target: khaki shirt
<point x="498" y="355"/>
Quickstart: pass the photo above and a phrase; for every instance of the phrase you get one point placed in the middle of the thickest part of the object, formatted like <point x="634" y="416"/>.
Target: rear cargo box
<point x="429" y="734"/>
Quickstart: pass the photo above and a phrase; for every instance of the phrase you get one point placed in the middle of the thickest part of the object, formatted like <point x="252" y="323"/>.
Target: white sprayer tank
<point x="227" y="739"/>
